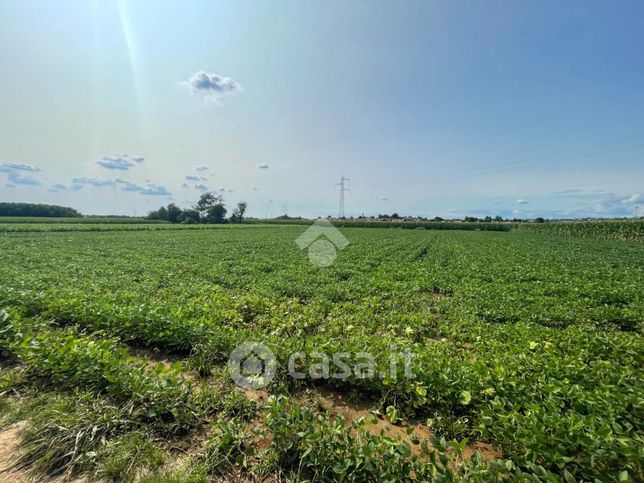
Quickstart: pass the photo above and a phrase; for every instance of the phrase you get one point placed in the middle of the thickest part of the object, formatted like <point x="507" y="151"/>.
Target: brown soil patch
<point x="154" y="358"/>
<point x="486" y="450"/>
<point x="338" y="404"/>
<point x="375" y="423"/>
<point x="328" y="400"/>
<point x="9" y="441"/>
<point x="257" y="395"/>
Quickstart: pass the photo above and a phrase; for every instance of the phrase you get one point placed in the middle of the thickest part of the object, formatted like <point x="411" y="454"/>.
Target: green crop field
<point x="518" y="355"/>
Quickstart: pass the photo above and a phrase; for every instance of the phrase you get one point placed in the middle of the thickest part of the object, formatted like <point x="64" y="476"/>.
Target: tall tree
<point x="174" y="212"/>
<point x="239" y="211"/>
<point x="211" y="208"/>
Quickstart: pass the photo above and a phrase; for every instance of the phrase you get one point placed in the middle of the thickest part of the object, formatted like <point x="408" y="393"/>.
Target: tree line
<point x="210" y="209"/>
<point x="35" y="209"/>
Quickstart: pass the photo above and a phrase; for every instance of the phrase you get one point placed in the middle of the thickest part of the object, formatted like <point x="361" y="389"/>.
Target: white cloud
<point x="8" y="167"/>
<point x="212" y="86"/>
<point x="121" y="162"/>
<point x="58" y="187"/>
<point x="17" y="178"/>
<point x="195" y="178"/>
<point x="522" y="202"/>
<point x="79" y="183"/>
<point x="16" y="174"/>
<point x="98" y="182"/>
<point x="201" y="168"/>
<point x="636" y="198"/>
<point x="263" y="166"/>
<point x="201" y="187"/>
<point x="149" y="189"/>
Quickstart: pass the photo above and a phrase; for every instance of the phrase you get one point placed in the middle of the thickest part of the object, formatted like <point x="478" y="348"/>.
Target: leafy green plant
<point x="527" y="341"/>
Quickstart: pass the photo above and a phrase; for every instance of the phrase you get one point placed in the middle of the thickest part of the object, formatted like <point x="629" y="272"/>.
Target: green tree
<point x="174" y="212"/>
<point x="239" y="211"/>
<point x="217" y="214"/>
<point x="162" y="213"/>
<point x="32" y="209"/>
<point x="189" y="216"/>
<point x="211" y="208"/>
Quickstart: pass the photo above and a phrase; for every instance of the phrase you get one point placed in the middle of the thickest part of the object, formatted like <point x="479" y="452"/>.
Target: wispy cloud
<point x="97" y="182"/>
<point x="19" y="174"/>
<point x="263" y="166"/>
<point x="636" y="198"/>
<point x="19" y="179"/>
<point x="567" y="192"/>
<point x="212" y="86"/>
<point x="58" y="187"/>
<point x="201" y="187"/>
<point x="148" y="190"/>
<point x="201" y="168"/>
<point x="522" y="202"/>
<point x="121" y="162"/>
<point x="195" y="178"/>
<point x="599" y="203"/>
<point x="8" y="167"/>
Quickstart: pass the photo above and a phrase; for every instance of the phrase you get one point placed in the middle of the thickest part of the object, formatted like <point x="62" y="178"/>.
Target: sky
<point x="431" y="108"/>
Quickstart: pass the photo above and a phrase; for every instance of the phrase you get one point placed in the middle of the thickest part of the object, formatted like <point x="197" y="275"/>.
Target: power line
<point x="486" y="171"/>
<point x="343" y="189"/>
<point x="548" y="190"/>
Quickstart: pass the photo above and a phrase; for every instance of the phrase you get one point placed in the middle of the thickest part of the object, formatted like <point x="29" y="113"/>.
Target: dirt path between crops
<point x="9" y="442"/>
<point x="327" y="399"/>
<point x="8" y="446"/>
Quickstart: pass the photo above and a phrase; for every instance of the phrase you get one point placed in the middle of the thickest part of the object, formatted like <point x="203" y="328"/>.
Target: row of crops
<point x="625" y="230"/>
<point x="84" y="220"/>
<point x="102" y="227"/>
<point x="404" y="224"/>
<point x="528" y="344"/>
<point x="9" y="225"/>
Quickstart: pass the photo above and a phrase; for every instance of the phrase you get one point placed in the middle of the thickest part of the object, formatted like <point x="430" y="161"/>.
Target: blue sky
<point x="432" y="108"/>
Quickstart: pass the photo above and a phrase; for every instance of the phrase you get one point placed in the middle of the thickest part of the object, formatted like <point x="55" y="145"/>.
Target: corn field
<point x="601" y="230"/>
